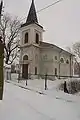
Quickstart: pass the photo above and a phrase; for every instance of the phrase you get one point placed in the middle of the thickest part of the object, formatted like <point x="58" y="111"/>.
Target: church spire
<point x="32" y="17"/>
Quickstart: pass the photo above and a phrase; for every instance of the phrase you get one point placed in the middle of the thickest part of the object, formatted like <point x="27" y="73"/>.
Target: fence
<point x="18" y="76"/>
<point x="37" y="81"/>
<point x="30" y="82"/>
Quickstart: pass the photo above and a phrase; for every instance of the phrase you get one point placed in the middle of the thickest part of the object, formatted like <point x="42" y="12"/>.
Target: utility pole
<point x="1" y="58"/>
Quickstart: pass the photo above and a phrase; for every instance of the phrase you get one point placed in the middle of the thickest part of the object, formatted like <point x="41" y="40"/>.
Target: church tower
<point x="31" y="30"/>
<point x="31" y="35"/>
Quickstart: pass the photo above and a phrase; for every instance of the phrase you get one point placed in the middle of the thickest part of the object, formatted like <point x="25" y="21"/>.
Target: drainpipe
<point x="70" y="65"/>
<point x="59" y="62"/>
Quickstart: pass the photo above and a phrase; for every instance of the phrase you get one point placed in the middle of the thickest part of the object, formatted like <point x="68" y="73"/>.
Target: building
<point x="13" y="68"/>
<point x="38" y="57"/>
<point x="77" y="68"/>
<point x="17" y="68"/>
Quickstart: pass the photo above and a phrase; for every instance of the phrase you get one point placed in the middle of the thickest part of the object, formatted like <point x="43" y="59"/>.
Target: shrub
<point x="73" y="86"/>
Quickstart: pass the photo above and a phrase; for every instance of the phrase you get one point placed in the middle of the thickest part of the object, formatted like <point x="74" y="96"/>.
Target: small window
<point x="37" y="38"/>
<point x="36" y="58"/>
<point x="55" y="57"/>
<point x="26" y="38"/>
<point x="25" y="57"/>
<point x="35" y="70"/>
<point x="55" y="71"/>
<point x="62" y="60"/>
<point x="45" y="57"/>
<point x="67" y="61"/>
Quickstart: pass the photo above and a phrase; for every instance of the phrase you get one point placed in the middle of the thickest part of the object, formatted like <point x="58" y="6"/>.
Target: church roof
<point x="25" y="24"/>
<point x="32" y="16"/>
<point x="45" y="44"/>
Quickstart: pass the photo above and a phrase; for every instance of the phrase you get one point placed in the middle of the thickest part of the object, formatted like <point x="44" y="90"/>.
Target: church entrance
<point x="25" y="68"/>
<point x="25" y="71"/>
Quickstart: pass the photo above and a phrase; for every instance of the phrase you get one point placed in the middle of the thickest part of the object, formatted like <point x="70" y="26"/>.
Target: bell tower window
<point x="37" y="38"/>
<point x="26" y="38"/>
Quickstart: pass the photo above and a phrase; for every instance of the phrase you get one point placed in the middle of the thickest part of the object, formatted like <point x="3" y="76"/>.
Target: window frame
<point x="26" y="38"/>
<point x="56" y="58"/>
<point x="62" y="61"/>
<point x="37" y="38"/>
<point x="24" y="57"/>
<point x="67" y="61"/>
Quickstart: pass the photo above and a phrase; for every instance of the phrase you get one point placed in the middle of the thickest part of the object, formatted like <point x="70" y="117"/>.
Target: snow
<point x="25" y="104"/>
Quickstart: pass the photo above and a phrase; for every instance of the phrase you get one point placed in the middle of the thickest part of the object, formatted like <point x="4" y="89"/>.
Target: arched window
<point x="37" y="38"/>
<point x="25" y="57"/>
<point x="55" y="57"/>
<point x="45" y="57"/>
<point x="62" y="60"/>
<point x="26" y="38"/>
<point x="67" y="61"/>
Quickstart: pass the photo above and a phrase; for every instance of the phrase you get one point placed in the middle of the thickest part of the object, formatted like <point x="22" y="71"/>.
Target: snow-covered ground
<point x="25" y="104"/>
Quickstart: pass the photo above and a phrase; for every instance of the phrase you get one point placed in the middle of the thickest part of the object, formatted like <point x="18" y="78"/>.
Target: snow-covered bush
<point x="73" y="86"/>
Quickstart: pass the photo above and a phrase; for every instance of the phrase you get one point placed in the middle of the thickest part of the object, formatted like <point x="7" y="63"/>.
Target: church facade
<point x="38" y="57"/>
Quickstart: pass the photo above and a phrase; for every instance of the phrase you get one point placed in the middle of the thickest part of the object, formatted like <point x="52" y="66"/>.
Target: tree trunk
<point x="1" y="70"/>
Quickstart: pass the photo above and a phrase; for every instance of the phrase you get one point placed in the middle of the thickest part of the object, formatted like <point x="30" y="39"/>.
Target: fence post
<point x="65" y="87"/>
<point x="18" y="77"/>
<point x="10" y="75"/>
<point x="46" y="82"/>
<point x="26" y="82"/>
<point x="27" y="79"/>
<point x="7" y="74"/>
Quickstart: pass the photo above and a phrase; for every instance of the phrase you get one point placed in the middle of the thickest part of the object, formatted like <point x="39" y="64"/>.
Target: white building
<point x="38" y="57"/>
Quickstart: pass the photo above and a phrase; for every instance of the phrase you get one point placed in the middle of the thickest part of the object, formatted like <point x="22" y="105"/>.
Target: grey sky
<point x="61" y="22"/>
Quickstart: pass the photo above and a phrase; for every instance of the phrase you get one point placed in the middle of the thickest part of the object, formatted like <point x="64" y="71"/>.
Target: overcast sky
<point x="61" y="22"/>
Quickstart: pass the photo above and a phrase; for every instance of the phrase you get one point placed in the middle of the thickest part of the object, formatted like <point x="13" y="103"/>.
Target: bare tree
<point x="76" y="50"/>
<point x="9" y="28"/>
<point x="69" y="49"/>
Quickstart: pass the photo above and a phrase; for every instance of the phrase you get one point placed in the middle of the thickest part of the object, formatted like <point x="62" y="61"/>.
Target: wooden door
<point x="25" y="71"/>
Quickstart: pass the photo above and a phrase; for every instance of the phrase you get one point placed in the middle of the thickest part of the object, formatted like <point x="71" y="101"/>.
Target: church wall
<point x="35" y="59"/>
<point x="38" y="30"/>
<point x="32" y="30"/>
<point x="49" y="64"/>
<point x="29" y="52"/>
<point x="66" y="69"/>
<point x="45" y="60"/>
<point x="29" y="49"/>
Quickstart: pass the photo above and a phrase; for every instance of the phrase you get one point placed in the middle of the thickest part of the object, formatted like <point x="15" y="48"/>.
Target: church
<point x="38" y="57"/>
